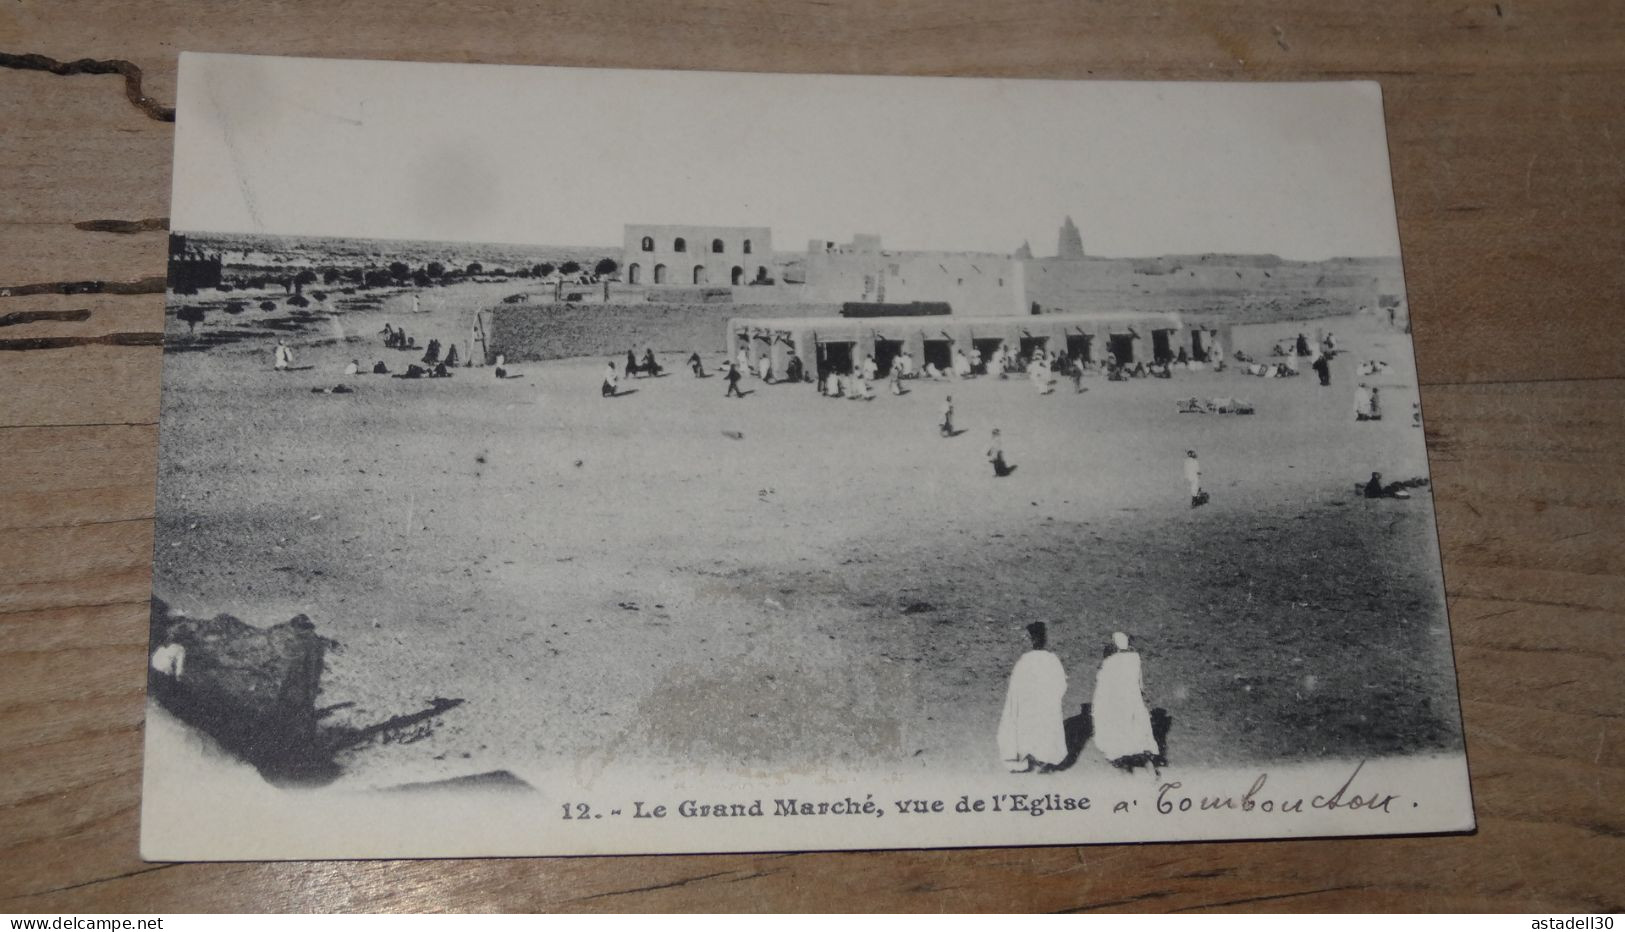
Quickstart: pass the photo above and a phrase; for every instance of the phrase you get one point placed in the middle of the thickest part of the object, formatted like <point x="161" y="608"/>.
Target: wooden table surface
<point x="1507" y="129"/>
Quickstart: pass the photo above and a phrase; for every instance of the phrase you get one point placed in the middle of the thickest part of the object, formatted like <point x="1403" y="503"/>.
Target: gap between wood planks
<point x="132" y="77"/>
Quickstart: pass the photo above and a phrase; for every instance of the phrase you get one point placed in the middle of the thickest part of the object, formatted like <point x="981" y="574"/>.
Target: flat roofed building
<point x="684" y="254"/>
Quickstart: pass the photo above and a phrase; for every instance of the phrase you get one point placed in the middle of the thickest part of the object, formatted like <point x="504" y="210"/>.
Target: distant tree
<point x="235" y="307"/>
<point x="377" y="278"/>
<point x="331" y="276"/>
<point x="474" y="268"/>
<point x="267" y="305"/>
<point x="421" y="279"/>
<point x="543" y="270"/>
<point x="299" y="300"/>
<point x="223" y="289"/>
<point x="606" y="267"/>
<point x="399" y="271"/>
<point x="435" y="270"/>
<point x="571" y="267"/>
<point x="192" y="314"/>
<point x="499" y="270"/>
<point x="305" y="277"/>
<point x="319" y="295"/>
<point x="359" y="276"/>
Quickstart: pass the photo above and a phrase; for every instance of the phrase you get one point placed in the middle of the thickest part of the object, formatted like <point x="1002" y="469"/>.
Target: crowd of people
<point x="857" y="381"/>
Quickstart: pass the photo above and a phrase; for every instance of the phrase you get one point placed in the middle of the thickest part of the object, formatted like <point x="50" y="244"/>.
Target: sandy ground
<point x="792" y="582"/>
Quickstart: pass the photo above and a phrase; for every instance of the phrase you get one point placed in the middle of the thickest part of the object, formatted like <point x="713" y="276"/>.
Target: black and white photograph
<point x="572" y="461"/>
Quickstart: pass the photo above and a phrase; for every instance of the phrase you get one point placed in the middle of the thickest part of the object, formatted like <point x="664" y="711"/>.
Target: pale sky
<point x="565" y="156"/>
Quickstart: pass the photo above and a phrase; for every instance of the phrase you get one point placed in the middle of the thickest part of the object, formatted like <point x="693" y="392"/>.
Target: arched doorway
<point x="679" y="245"/>
<point x="660" y="274"/>
<point x="761" y="273"/>
<point x="738" y="275"/>
<point x="699" y="275"/>
<point x="633" y="274"/>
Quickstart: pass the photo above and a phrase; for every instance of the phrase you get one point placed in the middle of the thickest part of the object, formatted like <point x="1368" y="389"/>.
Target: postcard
<point x="567" y="461"/>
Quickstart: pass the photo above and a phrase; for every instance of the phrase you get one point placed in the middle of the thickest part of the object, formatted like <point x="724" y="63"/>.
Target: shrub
<point x="192" y="314"/>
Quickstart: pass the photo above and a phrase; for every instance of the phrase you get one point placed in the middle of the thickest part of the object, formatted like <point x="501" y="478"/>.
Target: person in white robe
<point x="1040" y="374"/>
<point x="1031" y="732"/>
<point x="611" y="381"/>
<point x="1193" y="477"/>
<point x="1122" y="723"/>
<point x="961" y="364"/>
<point x="1362" y="402"/>
<point x="284" y="356"/>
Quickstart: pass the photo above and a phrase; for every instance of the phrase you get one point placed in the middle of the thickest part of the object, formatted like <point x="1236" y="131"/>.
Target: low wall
<point x="528" y="332"/>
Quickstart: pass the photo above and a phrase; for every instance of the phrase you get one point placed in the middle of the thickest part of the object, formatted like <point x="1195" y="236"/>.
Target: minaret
<point x="1071" y="242"/>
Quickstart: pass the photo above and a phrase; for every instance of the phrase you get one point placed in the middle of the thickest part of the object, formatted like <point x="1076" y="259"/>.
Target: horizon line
<point x="617" y="248"/>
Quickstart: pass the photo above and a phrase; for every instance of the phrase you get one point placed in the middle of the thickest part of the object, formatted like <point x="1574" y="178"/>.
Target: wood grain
<point x="1506" y="129"/>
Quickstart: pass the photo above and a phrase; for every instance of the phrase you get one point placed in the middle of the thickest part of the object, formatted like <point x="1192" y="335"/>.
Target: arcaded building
<point x="839" y="343"/>
<point x="680" y="254"/>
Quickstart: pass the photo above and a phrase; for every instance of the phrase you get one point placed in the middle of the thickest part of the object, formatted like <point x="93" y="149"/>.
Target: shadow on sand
<point x="1081" y="727"/>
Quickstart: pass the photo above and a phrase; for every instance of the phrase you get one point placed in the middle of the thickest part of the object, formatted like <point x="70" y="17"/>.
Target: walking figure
<point x="1193" y="477"/>
<point x="995" y="455"/>
<point x="1032" y="736"/>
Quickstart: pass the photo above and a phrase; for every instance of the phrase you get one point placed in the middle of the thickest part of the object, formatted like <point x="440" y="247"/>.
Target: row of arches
<point x="681" y="245"/>
<point x="662" y="275"/>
